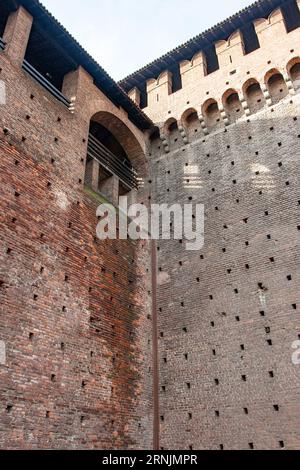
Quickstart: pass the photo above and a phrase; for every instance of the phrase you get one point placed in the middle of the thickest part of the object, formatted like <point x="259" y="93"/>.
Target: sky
<point x="125" y="35"/>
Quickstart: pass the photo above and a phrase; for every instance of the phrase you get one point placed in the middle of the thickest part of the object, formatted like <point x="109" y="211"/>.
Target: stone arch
<point x="190" y="120"/>
<point x="211" y="114"/>
<point x="123" y="135"/>
<point x="232" y="105"/>
<point x="115" y="158"/>
<point x="293" y="69"/>
<point x="171" y="130"/>
<point x="253" y="95"/>
<point x="170" y="126"/>
<point x="276" y="85"/>
<point x="154" y="134"/>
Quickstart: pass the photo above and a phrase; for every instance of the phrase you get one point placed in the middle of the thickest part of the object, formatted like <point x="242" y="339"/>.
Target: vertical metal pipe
<point x="155" y="348"/>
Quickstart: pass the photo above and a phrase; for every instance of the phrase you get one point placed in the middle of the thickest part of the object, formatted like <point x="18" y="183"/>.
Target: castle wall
<point x="75" y="312"/>
<point x="219" y="308"/>
<point x="236" y="69"/>
<point x="227" y="315"/>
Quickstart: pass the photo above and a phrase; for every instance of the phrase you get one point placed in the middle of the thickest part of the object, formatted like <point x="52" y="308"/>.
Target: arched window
<point x="155" y="135"/>
<point x="232" y="105"/>
<point x="293" y="69"/>
<point x="190" y="121"/>
<point x="171" y="130"/>
<point x="170" y="126"/>
<point x="212" y="115"/>
<point x="253" y="95"/>
<point x="276" y="85"/>
<point x="114" y="157"/>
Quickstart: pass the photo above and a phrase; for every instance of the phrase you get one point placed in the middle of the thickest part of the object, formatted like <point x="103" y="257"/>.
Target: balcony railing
<point x="2" y="44"/>
<point x="45" y="83"/>
<point x="112" y="163"/>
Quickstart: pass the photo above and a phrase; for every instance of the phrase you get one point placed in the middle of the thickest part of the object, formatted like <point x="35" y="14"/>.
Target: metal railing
<point x="2" y="44"/>
<point x="45" y="83"/>
<point x="113" y="164"/>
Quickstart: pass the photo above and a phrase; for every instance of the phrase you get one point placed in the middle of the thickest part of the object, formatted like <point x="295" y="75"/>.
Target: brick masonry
<point x="75" y="312"/>
<point x="228" y="314"/>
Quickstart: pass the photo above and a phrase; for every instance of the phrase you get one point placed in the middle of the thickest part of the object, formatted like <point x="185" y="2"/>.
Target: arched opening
<point x="293" y="69"/>
<point x="114" y="157"/>
<point x="232" y="105"/>
<point x="170" y="126"/>
<point x="171" y="130"/>
<point x="154" y="135"/>
<point x="190" y="121"/>
<point x="276" y="85"/>
<point x="212" y="115"/>
<point x="254" y="95"/>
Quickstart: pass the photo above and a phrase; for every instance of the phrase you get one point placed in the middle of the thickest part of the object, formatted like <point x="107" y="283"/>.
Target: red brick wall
<point x="75" y="312"/>
<point x="229" y="314"/>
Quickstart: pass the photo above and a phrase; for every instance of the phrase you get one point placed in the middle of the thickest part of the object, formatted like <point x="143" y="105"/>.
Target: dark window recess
<point x="176" y="78"/>
<point x="251" y="41"/>
<point x="211" y="59"/>
<point x="47" y="62"/>
<point x="291" y="15"/>
<point x="104" y="147"/>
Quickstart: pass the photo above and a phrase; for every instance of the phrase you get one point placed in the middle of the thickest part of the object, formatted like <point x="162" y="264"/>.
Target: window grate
<point x="112" y="163"/>
<point x="45" y="83"/>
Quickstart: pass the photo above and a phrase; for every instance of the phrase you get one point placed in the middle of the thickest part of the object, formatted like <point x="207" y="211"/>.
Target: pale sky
<point x="125" y="35"/>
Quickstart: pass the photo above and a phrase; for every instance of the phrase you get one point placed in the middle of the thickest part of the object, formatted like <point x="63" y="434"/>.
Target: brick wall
<point x="277" y="48"/>
<point x="228" y="314"/>
<point x="75" y="312"/>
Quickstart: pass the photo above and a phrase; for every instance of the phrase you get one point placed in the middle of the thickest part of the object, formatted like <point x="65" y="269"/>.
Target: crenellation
<point x="230" y="52"/>
<point x="158" y="89"/>
<point x="235" y="69"/>
<point x="135" y="96"/>
<point x="270" y="29"/>
<point x="193" y="70"/>
<point x="16" y="34"/>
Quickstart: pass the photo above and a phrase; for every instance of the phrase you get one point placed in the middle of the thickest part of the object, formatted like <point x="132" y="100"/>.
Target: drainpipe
<point x="155" y="348"/>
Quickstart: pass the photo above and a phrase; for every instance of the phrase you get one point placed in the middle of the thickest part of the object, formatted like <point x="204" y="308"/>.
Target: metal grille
<point x="113" y="164"/>
<point x="45" y="83"/>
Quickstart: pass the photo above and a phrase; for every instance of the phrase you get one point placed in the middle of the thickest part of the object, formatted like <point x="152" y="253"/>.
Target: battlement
<point x="244" y="82"/>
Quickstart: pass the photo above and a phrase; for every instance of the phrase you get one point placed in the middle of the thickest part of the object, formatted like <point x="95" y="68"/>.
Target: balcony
<point x="2" y="45"/>
<point x="112" y="164"/>
<point x="45" y="83"/>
